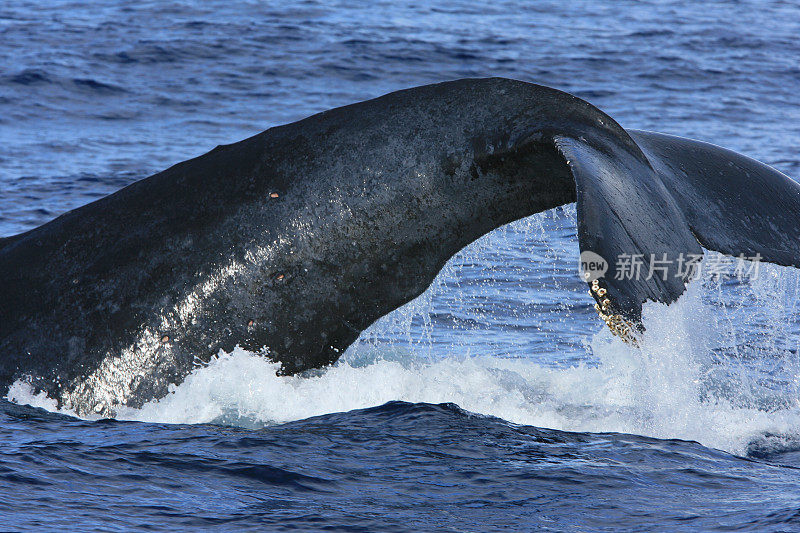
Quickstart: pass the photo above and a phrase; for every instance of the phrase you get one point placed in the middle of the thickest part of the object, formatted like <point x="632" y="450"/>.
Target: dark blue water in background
<point x="95" y="96"/>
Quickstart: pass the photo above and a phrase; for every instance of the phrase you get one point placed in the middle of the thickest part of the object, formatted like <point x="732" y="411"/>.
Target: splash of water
<point x="719" y="366"/>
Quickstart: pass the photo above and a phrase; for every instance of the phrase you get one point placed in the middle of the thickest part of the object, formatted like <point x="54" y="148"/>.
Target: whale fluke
<point x="663" y="200"/>
<point x="732" y="203"/>
<point x="625" y="211"/>
<point x="297" y="239"/>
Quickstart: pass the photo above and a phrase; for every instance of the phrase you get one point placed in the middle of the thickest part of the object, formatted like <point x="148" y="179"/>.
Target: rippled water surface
<point x="494" y="401"/>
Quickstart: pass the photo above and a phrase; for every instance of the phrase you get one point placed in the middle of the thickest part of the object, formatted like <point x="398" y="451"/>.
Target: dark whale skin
<point x="111" y="302"/>
<point x="297" y="239"/>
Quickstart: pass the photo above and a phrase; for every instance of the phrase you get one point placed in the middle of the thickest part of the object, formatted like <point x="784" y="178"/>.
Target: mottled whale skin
<point x="297" y="239"/>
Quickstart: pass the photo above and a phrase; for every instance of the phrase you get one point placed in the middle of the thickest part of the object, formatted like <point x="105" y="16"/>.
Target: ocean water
<point x="495" y="401"/>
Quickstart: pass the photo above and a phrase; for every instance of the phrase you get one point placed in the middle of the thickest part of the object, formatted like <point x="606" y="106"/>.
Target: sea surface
<point x="495" y="401"/>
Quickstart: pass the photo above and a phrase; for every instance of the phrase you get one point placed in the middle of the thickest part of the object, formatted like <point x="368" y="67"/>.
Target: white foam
<point x="695" y="377"/>
<point x="656" y="390"/>
<point x="21" y="392"/>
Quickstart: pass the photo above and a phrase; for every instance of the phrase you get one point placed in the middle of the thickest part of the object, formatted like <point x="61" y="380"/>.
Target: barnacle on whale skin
<point x="618" y="324"/>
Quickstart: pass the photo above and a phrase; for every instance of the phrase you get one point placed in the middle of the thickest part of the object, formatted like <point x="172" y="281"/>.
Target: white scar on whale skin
<point x="117" y="377"/>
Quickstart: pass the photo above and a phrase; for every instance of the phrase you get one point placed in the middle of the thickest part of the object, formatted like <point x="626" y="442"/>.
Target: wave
<point x="660" y="390"/>
<point x="719" y="366"/>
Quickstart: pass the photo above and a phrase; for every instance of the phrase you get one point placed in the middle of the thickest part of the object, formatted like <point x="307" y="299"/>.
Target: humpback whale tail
<point x="651" y="210"/>
<point x="297" y="239"/>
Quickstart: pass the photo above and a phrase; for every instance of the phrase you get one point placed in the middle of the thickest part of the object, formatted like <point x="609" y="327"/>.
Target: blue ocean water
<point x="495" y="401"/>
